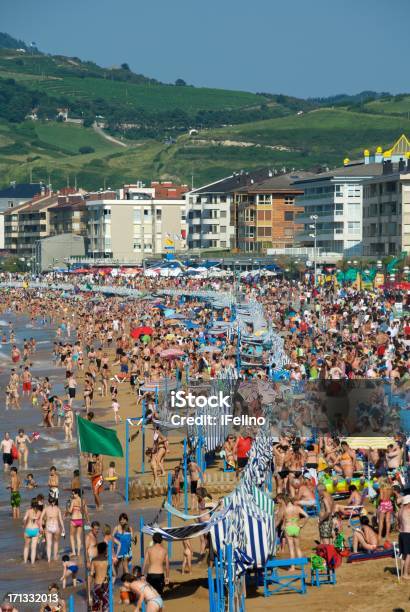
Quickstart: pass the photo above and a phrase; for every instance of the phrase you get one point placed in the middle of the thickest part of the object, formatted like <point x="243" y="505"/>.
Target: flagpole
<point x="87" y="584"/>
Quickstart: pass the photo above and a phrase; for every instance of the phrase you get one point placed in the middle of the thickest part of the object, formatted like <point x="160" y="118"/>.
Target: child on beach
<point x="187" y="560"/>
<point x="29" y="482"/>
<point x="69" y="569"/>
<point x="116" y="407"/>
<point x="53" y="483"/>
<point x="112" y="476"/>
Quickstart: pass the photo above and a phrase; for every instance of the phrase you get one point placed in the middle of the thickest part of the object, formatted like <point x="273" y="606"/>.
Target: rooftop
<point x="235" y="181"/>
<point x="280" y="182"/>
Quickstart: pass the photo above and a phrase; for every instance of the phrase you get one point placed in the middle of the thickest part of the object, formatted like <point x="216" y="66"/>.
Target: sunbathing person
<point x="304" y="494"/>
<point x="353" y="504"/>
<point x="365" y="537"/>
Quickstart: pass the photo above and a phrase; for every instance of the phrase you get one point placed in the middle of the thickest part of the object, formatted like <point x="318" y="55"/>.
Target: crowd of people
<point x="112" y="346"/>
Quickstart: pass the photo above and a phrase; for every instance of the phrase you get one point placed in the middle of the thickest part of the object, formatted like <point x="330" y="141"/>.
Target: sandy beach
<point x="363" y="587"/>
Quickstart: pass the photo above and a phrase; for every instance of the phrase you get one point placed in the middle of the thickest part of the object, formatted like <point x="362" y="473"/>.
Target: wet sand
<point x="363" y="587"/>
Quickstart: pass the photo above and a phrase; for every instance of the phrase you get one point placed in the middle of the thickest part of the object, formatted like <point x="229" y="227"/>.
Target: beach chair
<point x="321" y="573"/>
<point x="290" y="582"/>
<point x="397" y="559"/>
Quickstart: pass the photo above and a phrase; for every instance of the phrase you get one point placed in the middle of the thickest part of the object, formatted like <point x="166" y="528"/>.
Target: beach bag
<point x="14" y="452"/>
<point x="329" y="553"/>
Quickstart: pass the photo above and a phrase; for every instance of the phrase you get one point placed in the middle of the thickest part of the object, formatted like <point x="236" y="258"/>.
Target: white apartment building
<point x="336" y="200"/>
<point x="210" y="221"/>
<point x="132" y="229"/>
<point x="386" y="211"/>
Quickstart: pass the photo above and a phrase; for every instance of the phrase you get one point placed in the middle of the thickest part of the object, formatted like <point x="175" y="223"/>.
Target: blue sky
<point x="296" y="47"/>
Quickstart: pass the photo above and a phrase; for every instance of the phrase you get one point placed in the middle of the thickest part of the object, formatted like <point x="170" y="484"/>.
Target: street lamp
<point x="313" y="226"/>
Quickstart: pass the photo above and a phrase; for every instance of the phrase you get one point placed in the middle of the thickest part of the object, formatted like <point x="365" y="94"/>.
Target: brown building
<point x="166" y="190"/>
<point x="264" y="214"/>
<point x="69" y="216"/>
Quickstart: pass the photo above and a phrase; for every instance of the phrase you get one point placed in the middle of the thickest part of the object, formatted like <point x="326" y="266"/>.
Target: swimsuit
<point x="31" y="532"/>
<point x="292" y="529"/>
<point x="157" y="599"/>
<point x="386" y="506"/>
<point x="73" y="568"/>
<point x="15" y="499"/>
<point x="77" y="522"/>
<point x="125" y="544"/>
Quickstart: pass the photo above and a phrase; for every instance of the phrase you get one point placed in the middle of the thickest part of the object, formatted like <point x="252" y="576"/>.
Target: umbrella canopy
<point x="172" y="353"/>
<point x="141" y="331"/>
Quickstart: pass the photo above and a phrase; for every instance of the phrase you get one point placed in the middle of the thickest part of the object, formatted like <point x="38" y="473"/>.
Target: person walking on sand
<point x="156" y="564"/>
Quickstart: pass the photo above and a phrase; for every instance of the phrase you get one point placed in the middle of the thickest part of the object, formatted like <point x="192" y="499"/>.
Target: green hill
<point x="233" y="129"/>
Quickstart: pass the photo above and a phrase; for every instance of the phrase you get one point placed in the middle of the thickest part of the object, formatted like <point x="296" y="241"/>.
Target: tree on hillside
<point x="125" y="66"/>
<point x="180" y="83"/>
<point x="88" y="121"/>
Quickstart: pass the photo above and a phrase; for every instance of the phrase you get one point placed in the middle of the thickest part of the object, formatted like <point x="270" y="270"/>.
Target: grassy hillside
<point x="324" y="135"/>
<point x="394" y="105"/>
<point x="236" y="129"/>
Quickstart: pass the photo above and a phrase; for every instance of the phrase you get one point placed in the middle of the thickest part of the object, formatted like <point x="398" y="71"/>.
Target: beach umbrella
<point x="146" y="338"/>
<point x="141" y="331"/>
<point x="172" y="353"/>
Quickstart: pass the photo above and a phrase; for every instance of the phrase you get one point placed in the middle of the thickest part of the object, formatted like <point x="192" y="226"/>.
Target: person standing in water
<point x="15" y="500"/>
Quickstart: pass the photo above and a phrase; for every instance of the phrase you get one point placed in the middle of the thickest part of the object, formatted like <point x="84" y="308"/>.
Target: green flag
<point x="97" y="439"/>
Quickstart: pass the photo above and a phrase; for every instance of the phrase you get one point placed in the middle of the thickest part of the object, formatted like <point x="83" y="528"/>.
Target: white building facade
<point x="133" y="229"/>
<point x="336" y="200"/>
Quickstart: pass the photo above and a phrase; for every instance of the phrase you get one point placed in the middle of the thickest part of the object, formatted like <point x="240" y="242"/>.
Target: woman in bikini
<point x="144" y="592"/>
<point x="22" y="440"/>
<point x="385" y="509"/>
<point x="53" y="523"/>
<point x="77" y="510"/>
<point x="292" y="515"/>
<point x="31" y="524"/>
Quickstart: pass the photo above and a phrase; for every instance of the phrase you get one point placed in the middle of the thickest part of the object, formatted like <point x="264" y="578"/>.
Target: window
<point x="338" y="209"/>
<point x="137" y="215"/>
<point x="264" y="199"/>
<point x="223" y="229"/>
<point x="264" y="231"/>
<point x="137" y="246"/>
<point x="289" y="215"/>
<point x="289" y="201"/>
<point x="223" y="243"/>
<point x="147" y="215"/>
<point x="249" y="214"/>
<point x="353" y="227"/>
<point x="222" y="214"/>
<point x="107" y="211"/>
<point x="158" y="214"/>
